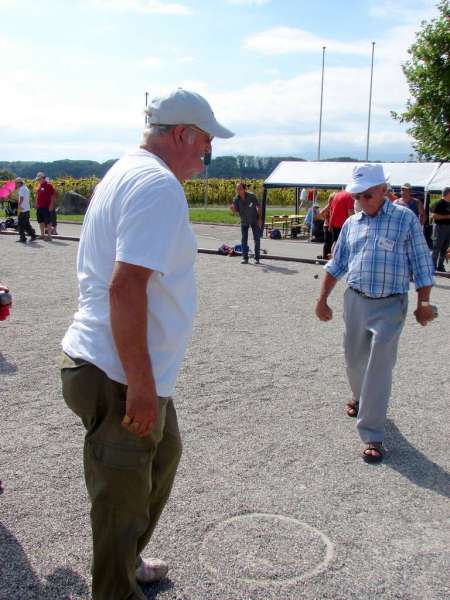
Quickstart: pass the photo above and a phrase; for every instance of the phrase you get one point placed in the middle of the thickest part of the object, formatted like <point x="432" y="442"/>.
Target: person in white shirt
<point x="23" y="207"/>
<point x="123" y="351"/>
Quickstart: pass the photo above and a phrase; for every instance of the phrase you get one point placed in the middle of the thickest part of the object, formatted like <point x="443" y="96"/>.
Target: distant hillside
<point x="224" y="167"/>
<point x="58" y="168"/>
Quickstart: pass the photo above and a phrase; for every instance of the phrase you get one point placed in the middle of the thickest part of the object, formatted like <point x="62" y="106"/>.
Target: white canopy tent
<point x="331" y="175"/>
<point x="441" y="178"/>
<point x="426" y="176"/>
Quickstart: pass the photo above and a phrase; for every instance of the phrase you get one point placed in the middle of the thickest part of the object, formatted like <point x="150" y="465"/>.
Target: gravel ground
<point x="272" y="500"/>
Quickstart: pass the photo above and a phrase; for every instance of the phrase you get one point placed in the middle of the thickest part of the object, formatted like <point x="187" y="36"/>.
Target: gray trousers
<point x="441" y="244"/>
<point x="372" y="332"/>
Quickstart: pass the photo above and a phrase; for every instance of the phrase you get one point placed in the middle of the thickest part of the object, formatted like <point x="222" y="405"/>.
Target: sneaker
<point x="257" y="261"/>
<point x="151" y="569"/>
<point x="244" y="261"/>
<point x="21" y="241"/>
<point x="33" y="238"/>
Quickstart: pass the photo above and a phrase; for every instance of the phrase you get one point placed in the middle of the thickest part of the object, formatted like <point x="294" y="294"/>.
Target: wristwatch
<point x="424" y="303"/>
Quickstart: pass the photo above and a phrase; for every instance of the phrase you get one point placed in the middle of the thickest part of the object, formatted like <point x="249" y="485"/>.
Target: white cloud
<point x="145" y="6"/>
<point x="406" y="11"/>
<point x="287" y="40"/>
<point x="152" y="62"/>
<point x="272" y="72"/>
<point x="187" y="60"/>
<point x="248" y="2"/>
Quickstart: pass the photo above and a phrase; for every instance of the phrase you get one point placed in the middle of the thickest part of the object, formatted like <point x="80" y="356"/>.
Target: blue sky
<point x="75" y="73"/>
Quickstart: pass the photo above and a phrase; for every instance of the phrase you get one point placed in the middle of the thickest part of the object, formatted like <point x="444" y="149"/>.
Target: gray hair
<point x="155" y="130"/>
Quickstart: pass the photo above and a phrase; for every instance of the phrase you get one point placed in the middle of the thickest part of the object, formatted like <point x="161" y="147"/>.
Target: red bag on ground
<point x="4" y="312"/>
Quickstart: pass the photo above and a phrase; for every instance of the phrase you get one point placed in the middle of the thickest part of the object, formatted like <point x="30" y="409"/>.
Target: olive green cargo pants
<point x="128" y="478"/>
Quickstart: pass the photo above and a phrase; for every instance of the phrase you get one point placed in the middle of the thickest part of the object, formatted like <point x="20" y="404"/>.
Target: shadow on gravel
<point x="151" y="591"/>
<point x="58" y="243"/>
<point x="412" y="464"/>
<point x="6" y="367"/>
<point x="19" y="582"/>
<point x="283" y="270"/>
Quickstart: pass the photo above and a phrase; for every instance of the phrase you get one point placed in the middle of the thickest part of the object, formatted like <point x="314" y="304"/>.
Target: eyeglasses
<point x="365" y="195"/>
<point x="198" y="130"/>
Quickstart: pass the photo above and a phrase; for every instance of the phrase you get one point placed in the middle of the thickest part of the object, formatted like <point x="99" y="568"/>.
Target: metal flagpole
<point x="146" y="103"/>
<point x="321" y="103"/>
<point x="320" y="138"/>
<point x="370" y="104"/>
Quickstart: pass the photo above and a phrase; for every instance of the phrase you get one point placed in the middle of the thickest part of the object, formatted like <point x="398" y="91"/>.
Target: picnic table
<point x="289" y="225"/>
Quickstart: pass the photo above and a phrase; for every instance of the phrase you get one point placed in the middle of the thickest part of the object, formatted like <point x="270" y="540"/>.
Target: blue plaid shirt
<point x="380" y="253"/>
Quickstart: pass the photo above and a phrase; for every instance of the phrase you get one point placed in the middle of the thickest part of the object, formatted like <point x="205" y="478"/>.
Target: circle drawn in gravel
<point x="265" y="549"/>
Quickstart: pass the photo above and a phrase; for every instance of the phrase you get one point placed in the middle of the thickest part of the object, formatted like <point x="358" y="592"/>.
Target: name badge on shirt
<point x="386" y="244"/>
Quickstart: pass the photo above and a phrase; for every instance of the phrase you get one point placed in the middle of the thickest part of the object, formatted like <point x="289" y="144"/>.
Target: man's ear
<point x="179" y="134"/>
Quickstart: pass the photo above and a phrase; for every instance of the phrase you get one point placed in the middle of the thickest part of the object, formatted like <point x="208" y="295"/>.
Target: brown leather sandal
<point x="373" y="458"/>
<point x="351" y="408"/>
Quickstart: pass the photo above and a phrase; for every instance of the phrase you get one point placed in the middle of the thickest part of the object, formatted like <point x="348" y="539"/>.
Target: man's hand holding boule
<point x="142" y="408"/>
<point x="323" y="311"/>
<point x="424" y="314"/>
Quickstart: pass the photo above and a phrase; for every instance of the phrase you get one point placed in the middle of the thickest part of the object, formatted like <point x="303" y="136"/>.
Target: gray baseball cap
<point x="182" y="107"/>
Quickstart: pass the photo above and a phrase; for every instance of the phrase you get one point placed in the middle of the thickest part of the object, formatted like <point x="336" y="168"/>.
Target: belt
<point x="360" y="293"/>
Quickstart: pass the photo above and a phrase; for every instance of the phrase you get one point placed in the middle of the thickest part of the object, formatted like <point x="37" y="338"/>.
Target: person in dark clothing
<point x="247" y="206"/>
<point x="441" y="218"/>
<point x="23" y="196"/>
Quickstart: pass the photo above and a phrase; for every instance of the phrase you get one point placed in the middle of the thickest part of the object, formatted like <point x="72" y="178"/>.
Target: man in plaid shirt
<point x="379" y="248"/>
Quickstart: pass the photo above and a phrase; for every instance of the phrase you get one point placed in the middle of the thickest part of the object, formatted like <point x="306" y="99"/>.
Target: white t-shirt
<point x="138" y="215"/>
<point x="24" y="193"/>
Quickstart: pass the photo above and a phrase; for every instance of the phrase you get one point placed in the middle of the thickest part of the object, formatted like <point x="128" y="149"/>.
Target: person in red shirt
<point x="341" y="208"/>
<point x="45" y="200"/>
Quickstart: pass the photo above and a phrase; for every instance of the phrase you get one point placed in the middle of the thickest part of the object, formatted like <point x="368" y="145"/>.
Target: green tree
<point x="428" y="76"/>
<point x="6" y="175"/>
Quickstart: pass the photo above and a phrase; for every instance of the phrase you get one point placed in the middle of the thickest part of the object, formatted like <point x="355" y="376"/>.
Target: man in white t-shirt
<point x="123" y="351"/>
<point x="23" y="207"/>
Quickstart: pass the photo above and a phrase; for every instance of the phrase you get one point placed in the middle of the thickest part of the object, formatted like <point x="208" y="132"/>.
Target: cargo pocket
<point x="118" y="475"/>
<point x="119" y="456"/>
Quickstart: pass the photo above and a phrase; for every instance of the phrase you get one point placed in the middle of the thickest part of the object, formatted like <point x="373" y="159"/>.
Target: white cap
<point x="182" y="107"/>
<point x="40" y="175"/>
<point x="365" y="177"/>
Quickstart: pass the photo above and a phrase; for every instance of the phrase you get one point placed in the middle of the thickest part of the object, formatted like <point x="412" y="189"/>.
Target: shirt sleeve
<point x="236" y="203"/>
<point x="419" y="257"/>
<point x="148" y="226"/>
<point x="337" y="266"/>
